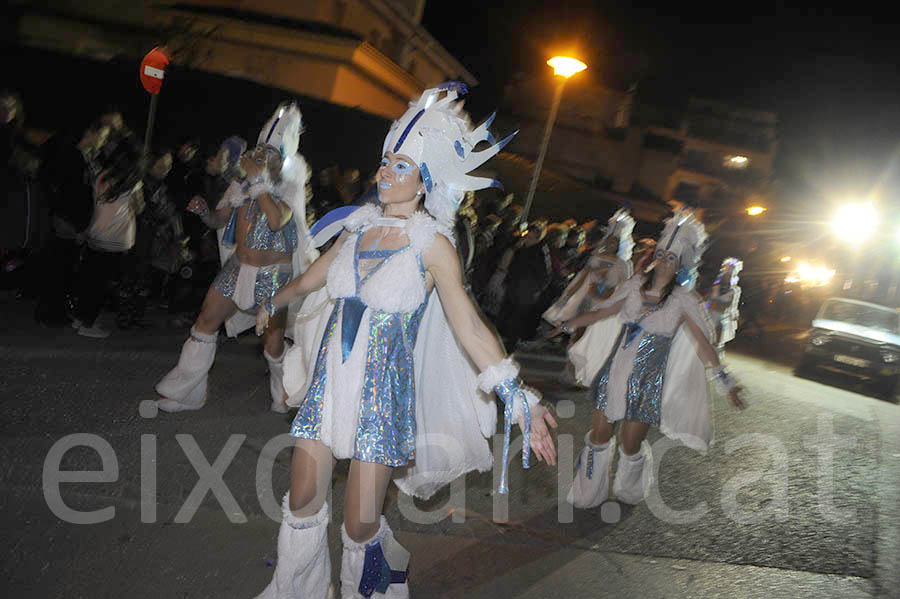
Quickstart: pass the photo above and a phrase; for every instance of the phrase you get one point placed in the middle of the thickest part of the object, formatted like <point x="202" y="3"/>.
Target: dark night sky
<point x="831" y="78"/>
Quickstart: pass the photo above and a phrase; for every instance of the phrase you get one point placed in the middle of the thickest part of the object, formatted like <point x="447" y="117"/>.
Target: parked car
<point x="856" y="338"/>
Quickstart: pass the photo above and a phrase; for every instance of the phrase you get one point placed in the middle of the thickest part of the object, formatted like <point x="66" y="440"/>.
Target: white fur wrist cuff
<point x="495" y="374"/>
<point x="257" y="189"/>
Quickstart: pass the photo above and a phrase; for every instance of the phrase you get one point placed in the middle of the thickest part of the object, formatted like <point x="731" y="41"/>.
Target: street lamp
<point x="756" y="210"/>
<point x="564" y="67"/>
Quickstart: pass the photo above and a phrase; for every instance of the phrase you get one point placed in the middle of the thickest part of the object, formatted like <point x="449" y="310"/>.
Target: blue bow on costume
<point x="351" y="318"/>
<point x="377" y="575"/>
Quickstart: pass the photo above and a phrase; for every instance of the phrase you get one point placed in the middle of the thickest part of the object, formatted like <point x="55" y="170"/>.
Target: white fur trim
<point x="495" y="374"/>
<point x="420" y="228"/>
<point x="350" y="544"/>
<point x="317" y="519"/>
<point x="397" y="286"/>
<point x="340" y="278"/>
<point x="233" y="196"/>
<point x="258" y="189"/>
<point x="204" y="337"/>
<point x="362" y="218"/>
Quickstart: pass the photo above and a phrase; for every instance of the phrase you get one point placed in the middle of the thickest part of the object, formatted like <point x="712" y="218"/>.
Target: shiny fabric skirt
<point x="363" y="406"/>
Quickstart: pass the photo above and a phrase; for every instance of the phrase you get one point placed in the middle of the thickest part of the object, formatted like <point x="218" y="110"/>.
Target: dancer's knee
<point x="304" y="501"/>
<point x="359" y="531"/>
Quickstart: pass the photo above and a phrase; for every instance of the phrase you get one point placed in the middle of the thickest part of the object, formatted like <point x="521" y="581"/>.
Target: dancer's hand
<point x="262" y="320"/>
<point x="541" y="438"/>
<point x="554" y="332"/>
<point x="734" y="396"/>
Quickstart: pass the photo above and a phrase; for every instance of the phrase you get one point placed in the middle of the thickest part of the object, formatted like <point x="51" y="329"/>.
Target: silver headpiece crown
<point x="685" y="236"/>
<point x="437" y="135"/>
<point x="283" y="129"/>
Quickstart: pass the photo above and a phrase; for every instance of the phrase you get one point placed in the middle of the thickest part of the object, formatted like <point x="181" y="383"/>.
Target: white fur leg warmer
<point x="304" y="565"/>
<point x="276" y="381"/>
<point x="362" y="566"/>
<point x="633" y="475"/>
<point x="186" y="383"/>
<point x="591" y="485"/>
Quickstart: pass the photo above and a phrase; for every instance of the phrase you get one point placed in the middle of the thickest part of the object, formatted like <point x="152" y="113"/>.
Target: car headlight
<point x="890" y="356"/>
<point x="820" y="340"/>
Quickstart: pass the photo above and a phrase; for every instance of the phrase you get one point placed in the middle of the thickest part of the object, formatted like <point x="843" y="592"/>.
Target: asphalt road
<point x="797" y="498"/>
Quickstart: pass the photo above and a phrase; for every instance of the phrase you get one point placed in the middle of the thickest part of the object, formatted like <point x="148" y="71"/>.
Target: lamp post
<point x="564" y="67"/>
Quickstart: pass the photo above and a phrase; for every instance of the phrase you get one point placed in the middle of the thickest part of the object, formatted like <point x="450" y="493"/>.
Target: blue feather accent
<point x="426" y="177"/>
<point x="330" y="224"/>
<point x="496" y="184"/>
<point x="490" y="138"/>
<point x="490" y="119"/>
<point x="460" y="151"/>
<point x="503" y="142"/>
<point x="408" y="129"/>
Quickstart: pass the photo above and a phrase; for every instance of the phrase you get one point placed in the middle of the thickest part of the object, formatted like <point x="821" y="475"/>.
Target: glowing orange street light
<point x="755" y="210"/>
<point x="565" y="67"/>
<point x="785" y="258"/>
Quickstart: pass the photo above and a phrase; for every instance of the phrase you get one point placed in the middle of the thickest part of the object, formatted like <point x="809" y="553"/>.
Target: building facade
<point x="717" y="155"/>
<point x="372" y="55"/>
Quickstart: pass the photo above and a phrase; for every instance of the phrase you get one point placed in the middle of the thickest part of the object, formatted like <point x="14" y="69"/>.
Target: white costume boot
<point x="303" y="570"/>
<point x="184" y="387"/>
<point x="634" y="475"/>
<point x="276" y="382"/>
<point x="591" y="485"/>
<point x="366" y="570"/>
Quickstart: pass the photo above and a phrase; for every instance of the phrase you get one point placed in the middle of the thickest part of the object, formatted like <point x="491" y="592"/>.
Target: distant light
<point x="809" y="275"/>
<point x="755" y="210"/>
<point x="566" y="66"/>
<point x="785" y="258"/>
<point x="855" y="223"/>
<point x="738" y="161"/>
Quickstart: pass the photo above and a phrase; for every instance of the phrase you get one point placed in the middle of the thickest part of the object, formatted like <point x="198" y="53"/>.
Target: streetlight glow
<point x="566" y="66"/>
<point x="855" y="223"/>
<point x="785" y="258"/>
<point x="755" y="210"/>
<point x="738" y="161"/>
<point x="809" y="275"/>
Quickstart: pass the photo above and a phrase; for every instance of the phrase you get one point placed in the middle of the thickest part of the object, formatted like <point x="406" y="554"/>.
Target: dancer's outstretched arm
<point x="587" y="319"/>
<point x="710" y="357"/>
<point x="442" y="262"/>
<point x="312" y="279"/>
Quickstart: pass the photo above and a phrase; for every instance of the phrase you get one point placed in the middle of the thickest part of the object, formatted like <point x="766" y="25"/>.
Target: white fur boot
<point x="276" y="382"/>
<point x="366" y="570"/>
<point x="184" y="387"/>
<point x="591" y="485"/>
<point x="303" y="570"/>
<point x="634" y="475"/>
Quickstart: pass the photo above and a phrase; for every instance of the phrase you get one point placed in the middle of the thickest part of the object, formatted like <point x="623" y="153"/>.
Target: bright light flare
<point x="566" y="66"/>
<point x="737" y="161"/>
<point x="809" y="275"/>
<point x="755" y="210"/>
<point x="785" y="258"/>
<point x="855" y="223"/>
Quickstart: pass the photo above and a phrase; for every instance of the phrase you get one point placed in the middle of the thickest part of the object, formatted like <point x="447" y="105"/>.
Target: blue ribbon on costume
<point x="228" y="237"/>
<point x="632" y="330"/>
<point x="330" y="225"/>
<point x="377" y="575"/>
<point x="508" y="391"/>
<point x="601" y="287"/>
<point x="351" y="317"/>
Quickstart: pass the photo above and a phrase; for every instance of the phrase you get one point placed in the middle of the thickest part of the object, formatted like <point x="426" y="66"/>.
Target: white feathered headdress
<point x="685" y="236"/>
<point x="437" y="135"/>
<point x="621" y="225"/>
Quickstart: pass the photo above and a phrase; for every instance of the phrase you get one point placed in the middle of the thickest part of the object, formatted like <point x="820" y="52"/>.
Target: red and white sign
<point x="153" y="70"/>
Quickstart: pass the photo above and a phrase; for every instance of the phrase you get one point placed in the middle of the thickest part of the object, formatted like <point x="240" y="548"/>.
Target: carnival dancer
<point x="609" y="267"/>
<point x="265" y="241"/>
<point x="392" y="388"/>
<point x="654" y="374"/>
<point x="724" y="301"/>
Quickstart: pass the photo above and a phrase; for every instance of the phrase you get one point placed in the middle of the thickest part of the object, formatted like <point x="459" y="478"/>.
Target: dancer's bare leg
<point x="311" y="467"/>
<point x="364" y="499"/>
